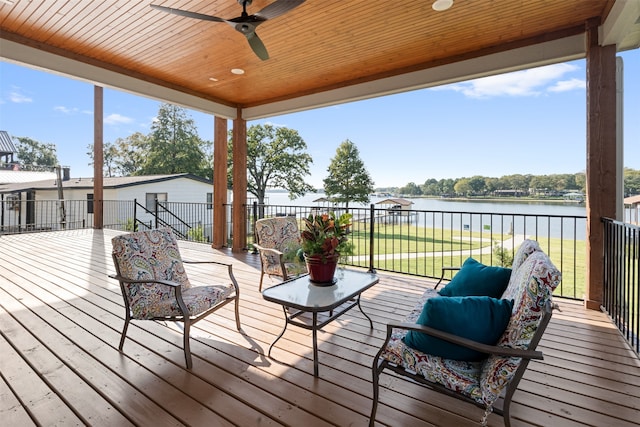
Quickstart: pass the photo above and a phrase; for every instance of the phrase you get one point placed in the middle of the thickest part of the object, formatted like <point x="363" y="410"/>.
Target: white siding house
<point x="185" y="202"/>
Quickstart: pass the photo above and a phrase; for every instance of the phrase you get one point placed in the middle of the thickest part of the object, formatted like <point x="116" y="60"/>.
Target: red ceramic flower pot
<point x="321" y="272"/>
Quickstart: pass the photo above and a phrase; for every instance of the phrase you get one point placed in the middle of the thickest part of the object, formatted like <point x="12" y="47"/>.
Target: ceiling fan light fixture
<point x="441" y="5"/>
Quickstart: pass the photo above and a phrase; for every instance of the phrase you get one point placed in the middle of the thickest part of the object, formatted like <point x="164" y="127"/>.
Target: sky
<point x="527" y="122"/>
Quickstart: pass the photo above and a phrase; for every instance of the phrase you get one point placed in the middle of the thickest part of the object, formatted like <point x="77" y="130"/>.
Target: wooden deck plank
<point x="58" y="281"/>
<point x="14" y="413"/>
<point x="25" y="395"/>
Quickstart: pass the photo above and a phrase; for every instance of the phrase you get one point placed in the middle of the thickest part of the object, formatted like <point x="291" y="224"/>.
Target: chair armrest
<point x="223" y="264"/>
<point x="465" y="342"/>
<point x="162" y="282"/>
<point x="271" y="250"/>
<point x="444" y="269"/>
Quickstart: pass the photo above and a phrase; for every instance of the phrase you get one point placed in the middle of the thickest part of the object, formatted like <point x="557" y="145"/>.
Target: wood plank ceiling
<point x="318" y="46"/>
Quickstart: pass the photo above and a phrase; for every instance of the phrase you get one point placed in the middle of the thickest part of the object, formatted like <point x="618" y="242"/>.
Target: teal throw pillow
<point x="478" y="279"/>
<point x="482" y="319"/>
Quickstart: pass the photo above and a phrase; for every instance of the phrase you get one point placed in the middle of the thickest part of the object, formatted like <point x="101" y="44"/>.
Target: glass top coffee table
<point x="299" y="296"/>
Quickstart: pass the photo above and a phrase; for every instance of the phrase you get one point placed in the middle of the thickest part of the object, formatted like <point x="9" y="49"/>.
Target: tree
<point x="174" y="146"/>
<point x="348" y="179"/>
<point x="462" y="187"/>
<point x="631" y="181"/>
<point x="276" y="157"/>
<point x="411" y="189"/>
<point x="123" y="157"/>
<point x="34" y="153"/>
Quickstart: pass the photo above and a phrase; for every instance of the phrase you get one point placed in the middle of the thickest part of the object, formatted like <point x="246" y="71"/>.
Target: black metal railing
<point x="28" y="216"/>
<point x="622" y="278"/>
<point x="421" y="242"/>
<point x="415" y="242"/>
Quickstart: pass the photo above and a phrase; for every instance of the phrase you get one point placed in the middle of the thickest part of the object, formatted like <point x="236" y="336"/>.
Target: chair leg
<point x="187" y="348"/>
<point x="124" y="330"/>
<point x="261" y="277"/>
<point x="375" y="375"/>
<point x="236" y="303"/>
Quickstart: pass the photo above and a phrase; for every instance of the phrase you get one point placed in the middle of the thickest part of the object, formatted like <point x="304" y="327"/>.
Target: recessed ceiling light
<point x="238" y="71"/>
<point x="440" y="5"/>
<point x="213" y="79"/>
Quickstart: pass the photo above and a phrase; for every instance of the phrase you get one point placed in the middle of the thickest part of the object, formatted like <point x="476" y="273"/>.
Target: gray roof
<point x="108" y="182"/>
<point x="22" y="177"/>
<point x="6" y="143"/>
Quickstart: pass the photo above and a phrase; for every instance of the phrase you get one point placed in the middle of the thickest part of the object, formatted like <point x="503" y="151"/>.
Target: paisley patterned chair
<point x="531" y="284"/>
<point x="155" y="286"/>
<point x="277" y="242"/>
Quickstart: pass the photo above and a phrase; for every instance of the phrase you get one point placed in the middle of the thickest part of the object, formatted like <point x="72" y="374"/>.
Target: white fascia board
<point x="622" y="26"/>
<point x="49" y="62"/>
<point x="561" y="50"/>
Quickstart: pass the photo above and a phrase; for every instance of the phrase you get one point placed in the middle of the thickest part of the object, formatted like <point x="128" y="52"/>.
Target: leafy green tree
<point x="131" y="153"/>
<point x="431" y="187"/>
<point x="631" y="181"/>
<point x="490" y="184"/>
<point x="348" y="179"/>
<point x="276" y="157"/>
<point x="462" y="187"/>
<point x="124" y="156"/>
<point x="447" y="186"/>
<point x="477" y="184"/>
<point x="581" y="181"/>
<point x="174" y="146"/>
<point x="110" y="154"/>
<point x="411" y="189"/>
<point x="34" y="153"/>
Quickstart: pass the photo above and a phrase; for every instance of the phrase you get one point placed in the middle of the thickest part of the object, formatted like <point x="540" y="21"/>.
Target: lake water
<point x="474" y="215"/>
<point x="427" y="204"/>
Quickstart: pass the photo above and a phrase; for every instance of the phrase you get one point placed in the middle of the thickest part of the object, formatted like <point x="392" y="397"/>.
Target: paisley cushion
<point x="526" y="248"/>
<point x="456" y="375"/>
<point x="282" y="234"/>
<point x="154" y="254"/>
<point x="531" y="286"/>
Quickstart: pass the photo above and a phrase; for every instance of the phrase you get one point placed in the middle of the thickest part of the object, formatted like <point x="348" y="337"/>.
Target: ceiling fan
<point x="245" y="23"/>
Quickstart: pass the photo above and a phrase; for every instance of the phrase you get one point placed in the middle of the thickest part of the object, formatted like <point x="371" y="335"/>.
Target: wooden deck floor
<point x="61" y="317"/>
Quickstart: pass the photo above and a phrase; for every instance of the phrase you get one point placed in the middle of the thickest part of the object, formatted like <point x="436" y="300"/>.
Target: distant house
<point x="10" y="171"/>
<point x="7" y="148"/>
<point x="632" y="209"/>
<point x="38" y="203"/>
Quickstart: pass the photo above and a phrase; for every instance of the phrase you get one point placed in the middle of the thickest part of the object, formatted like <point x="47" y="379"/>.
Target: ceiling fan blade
<point x="278" y="8"/>
<point x="257" y="46"/>
<point x="188" y="14"/>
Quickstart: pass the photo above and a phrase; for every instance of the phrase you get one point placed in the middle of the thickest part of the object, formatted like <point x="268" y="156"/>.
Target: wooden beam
<point x="239" y="183"/>
<point x="98" y="156"/>
<point x="601" y="157"/>
<point x="219" y="183"/>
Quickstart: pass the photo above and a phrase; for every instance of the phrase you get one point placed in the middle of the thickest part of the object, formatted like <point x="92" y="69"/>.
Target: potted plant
<point x="324" y="239"/>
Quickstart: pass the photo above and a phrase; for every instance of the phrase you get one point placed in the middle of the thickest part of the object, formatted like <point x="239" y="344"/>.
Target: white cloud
<point x="64" y="110"/>
<point x="533" y="82"/>
<point x="566" y="85"/>
<point x="115" y="119"/>
<point x="18" y="98"/>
